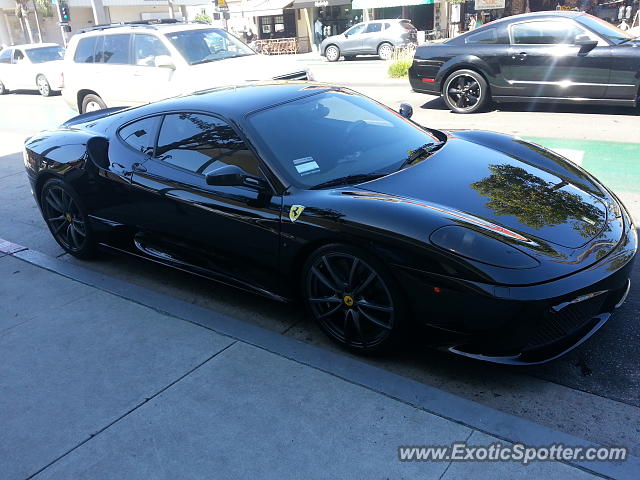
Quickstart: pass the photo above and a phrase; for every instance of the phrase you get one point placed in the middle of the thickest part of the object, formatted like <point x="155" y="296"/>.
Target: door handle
<point x="519" y="56"/>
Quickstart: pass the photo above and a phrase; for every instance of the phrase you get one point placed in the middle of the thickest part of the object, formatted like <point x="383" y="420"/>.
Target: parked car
<point x="563" y="56"/>
<point x="35" y="66"/>
<point x="135" y="64"/>
<point x="377" y="37"/>
<point x="511" y="250"/>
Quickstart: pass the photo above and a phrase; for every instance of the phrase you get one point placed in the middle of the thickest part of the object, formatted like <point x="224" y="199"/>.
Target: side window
<point x="17" y="55"/>
<point x="200" y="143"/>
<point x="140" y="135"/>
<point x="146" y="48"/>
<point x="545" y="33"/>
<point x="116" y="49"/>
<point x="5" y="56"/>
<point x="356" y="29"/>
<point x="486" y="36"/>
<point x="373" y="27"/>
<point x="85" y="50"/>
<point x="387" y="26"/>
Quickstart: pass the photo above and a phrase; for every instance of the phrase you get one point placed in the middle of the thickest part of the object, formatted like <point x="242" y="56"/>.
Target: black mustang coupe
<point x="304" y="190"/>
<point x="568" y="57"/>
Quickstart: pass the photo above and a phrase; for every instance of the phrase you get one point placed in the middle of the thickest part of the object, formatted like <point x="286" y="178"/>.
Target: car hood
<point x="250" y="68"/>
<point x="515" y="193"/>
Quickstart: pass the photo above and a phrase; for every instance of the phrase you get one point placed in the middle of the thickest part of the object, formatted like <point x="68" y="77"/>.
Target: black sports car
<point x="569" y="57"/>
<point x="306" y="190"/>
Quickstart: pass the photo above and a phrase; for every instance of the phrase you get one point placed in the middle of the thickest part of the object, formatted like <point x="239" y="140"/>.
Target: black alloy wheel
<point x="465" y="91"/>
<point x="66" y="219"/>
<point x="353" y="299"/>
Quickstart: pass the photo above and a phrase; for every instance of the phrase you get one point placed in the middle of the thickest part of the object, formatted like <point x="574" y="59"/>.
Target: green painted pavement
<point x="615" y="164"/>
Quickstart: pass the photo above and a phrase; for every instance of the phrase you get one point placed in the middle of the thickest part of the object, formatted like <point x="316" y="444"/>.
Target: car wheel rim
<point x="64" y="218"/>
<point x="464" y="92"/>
<point x="43" y="86"/>
<point x="350" y="300"/>
<point x="385" y="52"/>
<point x="92" y="106"/>
<point x="332" y="53"/>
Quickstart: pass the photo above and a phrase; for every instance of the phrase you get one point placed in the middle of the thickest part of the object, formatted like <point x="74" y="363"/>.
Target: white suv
<point x="134" y="64"/>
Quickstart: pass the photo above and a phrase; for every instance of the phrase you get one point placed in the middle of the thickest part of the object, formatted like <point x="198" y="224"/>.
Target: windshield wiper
<point x="348" y="180"/>
<point x="425" y="149"/>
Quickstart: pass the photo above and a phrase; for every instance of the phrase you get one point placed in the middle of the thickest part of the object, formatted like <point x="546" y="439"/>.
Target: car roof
<point x="31" y="46"/>
<point x="137" y="27"/>
<point x="235" y="102"/>
<point x="537" y="15"/>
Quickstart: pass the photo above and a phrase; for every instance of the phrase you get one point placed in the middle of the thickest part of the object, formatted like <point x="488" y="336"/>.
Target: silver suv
<point x="377" y="37"/>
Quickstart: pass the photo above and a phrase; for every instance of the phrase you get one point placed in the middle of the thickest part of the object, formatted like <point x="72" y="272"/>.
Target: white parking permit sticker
<point x="306" y="165"/>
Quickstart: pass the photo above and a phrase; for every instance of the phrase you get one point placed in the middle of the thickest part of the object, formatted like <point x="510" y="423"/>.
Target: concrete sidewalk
<point x="102" y="379"/>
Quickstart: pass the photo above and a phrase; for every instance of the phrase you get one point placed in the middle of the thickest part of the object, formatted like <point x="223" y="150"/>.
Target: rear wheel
<point x="385" y="51"/>
<point x="43" y="86"/>
<point x="67" y="219"/>
<point x="332" y="53"/>
<point x="91" y="103"/>
<point x="353" y="298"/>
<point x="465" y="91"/>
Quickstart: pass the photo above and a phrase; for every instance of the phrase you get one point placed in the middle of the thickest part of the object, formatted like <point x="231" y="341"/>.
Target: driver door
<point x="352" y="42"/>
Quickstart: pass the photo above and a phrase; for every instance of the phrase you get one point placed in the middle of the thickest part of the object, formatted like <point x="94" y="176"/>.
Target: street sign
<point x="489" y="4"/>
<point x="221" y="5"/>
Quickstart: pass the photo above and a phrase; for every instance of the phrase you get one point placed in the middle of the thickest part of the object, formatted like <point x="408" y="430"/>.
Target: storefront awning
<point x="362" y="4"/>
<point x="259" y="8"/>
<point x="319" y="3"/>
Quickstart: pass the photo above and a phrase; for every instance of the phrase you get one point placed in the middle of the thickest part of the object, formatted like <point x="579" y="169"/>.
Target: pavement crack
<point x="129" y="412"/>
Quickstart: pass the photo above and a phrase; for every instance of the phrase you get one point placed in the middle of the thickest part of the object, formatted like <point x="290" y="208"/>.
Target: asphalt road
<point x="594" y="392"/>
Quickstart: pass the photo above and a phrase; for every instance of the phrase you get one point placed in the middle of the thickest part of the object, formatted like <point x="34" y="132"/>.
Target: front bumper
<point x="522" y="325"/>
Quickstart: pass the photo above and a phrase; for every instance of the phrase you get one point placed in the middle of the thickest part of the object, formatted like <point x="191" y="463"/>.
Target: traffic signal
<point x="64" y="11"/>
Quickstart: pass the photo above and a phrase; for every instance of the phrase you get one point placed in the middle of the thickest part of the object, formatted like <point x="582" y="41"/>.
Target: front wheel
<point x="465" y="91"/>
<point x="91" y="103"/>
<point x="43" y="86"/>
<point x="353" y="298"/>
<point x="332" y="53"/>
<point x="67" y="219"/>
<point x="385" y="51"/>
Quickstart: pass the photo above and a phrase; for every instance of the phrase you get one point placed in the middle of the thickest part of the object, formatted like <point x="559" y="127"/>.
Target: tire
<point x="354" y="299"/>
<point x="385" y="51"/>
<point x="92" y="102"/>
<point x="67" y="219"/>
<point x="332" y="52"/>
<point x="3" y="89"/>
<point x="43" y="85"/>
<point x="466" y="91"/>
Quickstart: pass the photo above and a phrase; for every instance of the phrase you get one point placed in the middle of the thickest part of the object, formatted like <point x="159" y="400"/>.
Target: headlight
<point x="476" y="246"/>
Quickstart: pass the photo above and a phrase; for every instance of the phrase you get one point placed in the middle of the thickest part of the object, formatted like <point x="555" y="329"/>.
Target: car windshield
<point x="333" y="135"/>
<point x="207" y="45"/>
<point x="605" y="29"/>
<point x="45" y="54"/>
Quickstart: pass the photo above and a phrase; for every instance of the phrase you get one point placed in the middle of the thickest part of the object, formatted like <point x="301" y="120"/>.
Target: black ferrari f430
<point x="563" y="56"/>
<point x="302" y="190"/>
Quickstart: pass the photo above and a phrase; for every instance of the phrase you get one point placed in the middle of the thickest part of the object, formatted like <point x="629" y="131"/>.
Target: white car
<point x="36" y="66"/>
<point x="120" y="65"/>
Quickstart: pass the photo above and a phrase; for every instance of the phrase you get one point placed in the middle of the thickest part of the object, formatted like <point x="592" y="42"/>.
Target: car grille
<point x="556" y="325"/>
<point x="293" y="76"/>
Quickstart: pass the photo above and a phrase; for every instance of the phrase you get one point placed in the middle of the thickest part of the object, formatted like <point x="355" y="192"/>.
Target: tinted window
<point x="116" y="49"/>
<point x="45" y="54"/>
<point x="545" y="33"/>
<point x="146" y="48"/>
<point x="355" y="29"/>
<point x="140" y="135"/>
<point x="5" y="56"/>
<point x="486" y="36"/>
<point x="373" y="27"/>
<point x="611" y="32"/>
<point x="85" y="50"/>
<point x="200" y="143"/>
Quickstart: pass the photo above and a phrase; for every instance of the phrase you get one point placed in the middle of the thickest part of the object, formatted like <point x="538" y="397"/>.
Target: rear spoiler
<point x="87" y="117"/>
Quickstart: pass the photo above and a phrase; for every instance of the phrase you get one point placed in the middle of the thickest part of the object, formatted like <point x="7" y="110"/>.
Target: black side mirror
<point x="346" y="35"/>
<point x="585" y="43"/>
<point x="234" y="176"/>
<point x="406" y="110"/>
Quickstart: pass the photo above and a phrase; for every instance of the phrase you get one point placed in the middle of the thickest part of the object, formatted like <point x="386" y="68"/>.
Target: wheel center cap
<point x="68" y="217"/>
<point x="348" y="300"/>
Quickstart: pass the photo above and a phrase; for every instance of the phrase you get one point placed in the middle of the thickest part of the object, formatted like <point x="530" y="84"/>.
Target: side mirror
<point x="406" y="110"/>
<point x="234" y="176"/>
<point x="585" y="43"/>
<point x="164" y="61"/>
<point x="346" y="35"/>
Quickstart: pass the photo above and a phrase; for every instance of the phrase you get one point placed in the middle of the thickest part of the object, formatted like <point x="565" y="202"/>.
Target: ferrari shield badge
<point x="295" y="212"/>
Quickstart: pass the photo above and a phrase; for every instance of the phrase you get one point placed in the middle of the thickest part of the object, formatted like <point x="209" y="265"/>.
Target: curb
<point x="507" y="427"/>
